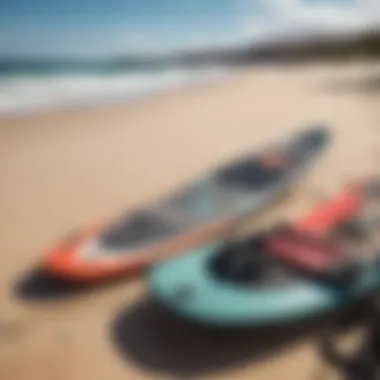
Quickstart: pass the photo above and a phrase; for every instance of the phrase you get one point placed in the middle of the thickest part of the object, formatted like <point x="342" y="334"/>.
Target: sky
<point x="103" y="28"/>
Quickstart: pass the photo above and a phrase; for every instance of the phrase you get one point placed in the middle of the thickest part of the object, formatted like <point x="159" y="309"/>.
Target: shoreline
<point x="225" y="73"/>
<point x="120" y="95"/>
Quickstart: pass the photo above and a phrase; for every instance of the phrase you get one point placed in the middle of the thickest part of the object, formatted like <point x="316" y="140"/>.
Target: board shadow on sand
<point x="37" y="285"/>
<point x="160" y="342"/>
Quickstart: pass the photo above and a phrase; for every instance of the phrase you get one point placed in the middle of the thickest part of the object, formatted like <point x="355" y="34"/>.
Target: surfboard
<point x="189" y="217"/>
<point x="284" y="275"/>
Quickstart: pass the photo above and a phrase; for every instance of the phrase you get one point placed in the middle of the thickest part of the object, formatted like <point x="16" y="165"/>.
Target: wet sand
<point x="65" y="168"/>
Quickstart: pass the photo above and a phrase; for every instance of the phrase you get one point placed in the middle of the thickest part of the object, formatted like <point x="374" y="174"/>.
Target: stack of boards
<point x="309" y="268"/>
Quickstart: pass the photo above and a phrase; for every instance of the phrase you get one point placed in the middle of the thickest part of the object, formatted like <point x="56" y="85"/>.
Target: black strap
<point x="365" y="363"/>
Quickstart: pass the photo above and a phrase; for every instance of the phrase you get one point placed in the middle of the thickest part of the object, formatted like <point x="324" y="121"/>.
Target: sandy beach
<point x="64" y="168"/>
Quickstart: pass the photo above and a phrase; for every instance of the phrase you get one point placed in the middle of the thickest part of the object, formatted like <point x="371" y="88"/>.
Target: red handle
<point x="345" y="206"/>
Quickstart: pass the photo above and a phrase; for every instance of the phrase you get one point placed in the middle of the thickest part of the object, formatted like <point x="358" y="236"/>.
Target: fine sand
<point x="63" y="169"/>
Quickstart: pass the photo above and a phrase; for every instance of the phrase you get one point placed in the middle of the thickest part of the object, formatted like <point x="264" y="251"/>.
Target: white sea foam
<point x="27" y="93"/>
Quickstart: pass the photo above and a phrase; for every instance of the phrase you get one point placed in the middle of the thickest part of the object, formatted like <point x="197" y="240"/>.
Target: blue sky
<point x="99" y="28"/>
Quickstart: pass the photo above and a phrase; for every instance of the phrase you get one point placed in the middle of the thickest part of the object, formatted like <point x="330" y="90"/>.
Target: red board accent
<point x="305" y="246"/>
<point x="342" y="208"/>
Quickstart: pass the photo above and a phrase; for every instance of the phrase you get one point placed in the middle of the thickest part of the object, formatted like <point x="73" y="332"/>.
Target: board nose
<point x="317" y="135"/>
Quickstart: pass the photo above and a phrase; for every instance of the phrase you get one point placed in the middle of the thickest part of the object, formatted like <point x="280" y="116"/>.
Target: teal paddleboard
<point x="284" y="275"/>
<point x="186" y="286"/>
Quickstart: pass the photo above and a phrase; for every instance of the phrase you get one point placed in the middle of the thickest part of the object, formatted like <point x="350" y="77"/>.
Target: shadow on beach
<point x="37" y="285"/>
<point x="159" y="341"/>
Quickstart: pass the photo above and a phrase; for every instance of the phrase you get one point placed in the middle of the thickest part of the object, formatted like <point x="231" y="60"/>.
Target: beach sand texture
<point x="65" y="168"/>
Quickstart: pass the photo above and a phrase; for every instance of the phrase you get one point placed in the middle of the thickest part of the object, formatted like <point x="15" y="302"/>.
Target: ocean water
<point x="23" y="91"/>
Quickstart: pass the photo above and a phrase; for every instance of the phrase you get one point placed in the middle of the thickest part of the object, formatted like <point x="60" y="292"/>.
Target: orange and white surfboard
<point x="190" y="217"/>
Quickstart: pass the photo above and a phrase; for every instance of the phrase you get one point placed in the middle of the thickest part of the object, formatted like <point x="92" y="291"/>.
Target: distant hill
<point x="328" y="48"/>
<point x="322" y="48"/>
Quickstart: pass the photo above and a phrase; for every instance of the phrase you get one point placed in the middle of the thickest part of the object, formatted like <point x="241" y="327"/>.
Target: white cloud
<point x="297" y="17"/>
<point x="260" y="20"/>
